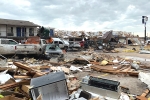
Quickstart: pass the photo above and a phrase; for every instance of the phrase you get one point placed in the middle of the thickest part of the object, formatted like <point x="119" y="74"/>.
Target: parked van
<point x="61" y="43"/>
<point x="7" y="46"/>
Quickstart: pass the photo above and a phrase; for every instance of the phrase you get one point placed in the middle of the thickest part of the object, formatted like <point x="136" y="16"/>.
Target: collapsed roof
<point x="67" y="34"/>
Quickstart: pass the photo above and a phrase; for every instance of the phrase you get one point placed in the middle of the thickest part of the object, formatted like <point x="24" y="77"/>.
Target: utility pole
<point x="144" y="20"/>
<point x="145" y="33"/>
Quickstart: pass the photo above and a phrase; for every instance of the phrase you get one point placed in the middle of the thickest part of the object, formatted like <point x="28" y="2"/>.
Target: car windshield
<point x="52" y="47"/>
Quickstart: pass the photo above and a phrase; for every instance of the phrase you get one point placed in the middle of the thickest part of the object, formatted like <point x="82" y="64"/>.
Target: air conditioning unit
<point x="52" y="86"/>
<point x="101" y="86"/>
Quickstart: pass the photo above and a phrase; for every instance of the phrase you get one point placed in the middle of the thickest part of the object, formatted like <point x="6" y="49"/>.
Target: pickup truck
<point x="32" y="46"/>
<point x="7" y="46"/>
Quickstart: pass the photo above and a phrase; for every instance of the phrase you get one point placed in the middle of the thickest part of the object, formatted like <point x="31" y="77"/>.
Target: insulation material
<point x="144" y="77"/>
<point x="4" y="77"/>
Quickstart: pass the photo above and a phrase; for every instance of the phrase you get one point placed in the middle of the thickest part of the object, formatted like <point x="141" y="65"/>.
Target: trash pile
<point x="28" y="79"/>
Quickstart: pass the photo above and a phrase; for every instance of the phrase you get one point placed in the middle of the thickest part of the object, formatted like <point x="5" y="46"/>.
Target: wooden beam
<point x="22" y="66"/>
<point x="21" y="77"/>
<point x="12" y="85"/>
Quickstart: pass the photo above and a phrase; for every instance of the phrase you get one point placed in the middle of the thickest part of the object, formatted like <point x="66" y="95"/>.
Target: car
<point x="63" y="44"/>
<point x="7" y="46"/>
<point x="33" y="46"/>
<point x="52" y="50"/>
<point x="75" y="43"/>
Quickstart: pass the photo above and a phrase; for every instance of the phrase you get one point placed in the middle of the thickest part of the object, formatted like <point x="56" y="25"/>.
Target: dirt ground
<point x="133" y="83"/>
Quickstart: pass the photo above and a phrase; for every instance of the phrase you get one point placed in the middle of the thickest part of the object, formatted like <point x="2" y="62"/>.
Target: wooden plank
<point x="122" y="68"/>
<point x="145" y="93"/>
<point x="107" y="67"/>
<point x="22" y="66"/>
<point x="141" y="98"/>
<point x="6" y="68"/>
<point x="38" y="74"/>
<point x="133" y="73"/>
<point x="127" y="69"/>
<point x="21" y="77"/>
<point x="12" y="85"/>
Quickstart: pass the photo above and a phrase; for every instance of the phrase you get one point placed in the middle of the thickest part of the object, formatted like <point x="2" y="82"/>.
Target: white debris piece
<point x="144" y="52"/>
<point x="135" y="65"/>
<point x="124" y="97"/>
<point x="4" y="77"/>
<point x="73" y="68"/>
<point x="144" y="77"/>
<point x="80" y="98"/>
<point x="88" y="66"/>
<point x="115" y="61"/>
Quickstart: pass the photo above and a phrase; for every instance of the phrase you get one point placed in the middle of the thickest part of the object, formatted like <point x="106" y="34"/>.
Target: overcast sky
<point x="88" y="15"/>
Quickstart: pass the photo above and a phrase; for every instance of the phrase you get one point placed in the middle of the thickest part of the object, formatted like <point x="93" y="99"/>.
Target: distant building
<point x="17" y="29"/>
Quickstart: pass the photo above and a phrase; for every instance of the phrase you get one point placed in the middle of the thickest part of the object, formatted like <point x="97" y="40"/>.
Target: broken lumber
<point x="22" y="66"/>
<point x="12" y="85"/>
<point x="143" y="95"/>
<point x="21" y="77"/>
<point x="119" y="69"/>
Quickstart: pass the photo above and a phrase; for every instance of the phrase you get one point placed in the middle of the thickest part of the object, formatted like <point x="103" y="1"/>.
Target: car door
<point x="2" y="45"/>
<point x="61" y="45"/>
<point x="12" y="45"/>
<point x="56" y="43"/>
<point x="9" y="46"/>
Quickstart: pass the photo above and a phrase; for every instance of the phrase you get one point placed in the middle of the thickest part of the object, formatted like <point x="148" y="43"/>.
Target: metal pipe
<point x="145" y="32"/>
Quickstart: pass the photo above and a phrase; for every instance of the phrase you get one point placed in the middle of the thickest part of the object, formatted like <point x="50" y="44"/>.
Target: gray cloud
<point x="97" y="15"/>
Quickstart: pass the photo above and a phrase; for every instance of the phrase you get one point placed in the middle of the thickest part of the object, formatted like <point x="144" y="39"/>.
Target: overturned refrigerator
<point x="52" y="86"/>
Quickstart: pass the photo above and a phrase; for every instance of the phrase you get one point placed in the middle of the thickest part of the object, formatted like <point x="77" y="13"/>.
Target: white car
<point x="61" y="43"/>
<point x="7" y="46"/>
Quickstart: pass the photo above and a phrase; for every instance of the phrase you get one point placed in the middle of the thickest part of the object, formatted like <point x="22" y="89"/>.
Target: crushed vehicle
<point x="33" y="45"/>
<point x="75" y="43"/>
<point x="107" y="41"/>
<point x="52" y="50"/>
<point x="59" y="42"/>
<point x="7" y="46"/>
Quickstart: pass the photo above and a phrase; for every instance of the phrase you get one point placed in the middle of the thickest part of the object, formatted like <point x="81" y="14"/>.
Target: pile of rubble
<point x="45" y="80"/>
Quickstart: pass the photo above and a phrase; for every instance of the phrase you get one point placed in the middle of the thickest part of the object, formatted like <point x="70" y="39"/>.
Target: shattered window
<point x="12" y="42"/>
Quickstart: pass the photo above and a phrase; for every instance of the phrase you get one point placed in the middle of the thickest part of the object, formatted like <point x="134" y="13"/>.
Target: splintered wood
<point x="143" y="95"/>
<point x="119" y="69"/>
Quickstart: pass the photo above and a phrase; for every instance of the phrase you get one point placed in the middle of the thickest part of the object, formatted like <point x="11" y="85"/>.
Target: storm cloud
<point x="88" y="15"/>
